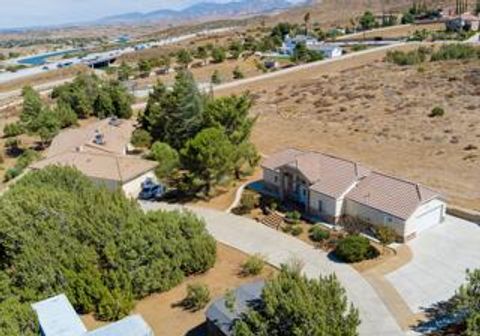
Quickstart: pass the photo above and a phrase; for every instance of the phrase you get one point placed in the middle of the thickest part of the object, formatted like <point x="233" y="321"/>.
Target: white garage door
<point x="428" y="219"/>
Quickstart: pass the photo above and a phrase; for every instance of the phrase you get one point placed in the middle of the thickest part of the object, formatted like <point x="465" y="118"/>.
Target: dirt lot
<point x="377" y="114"/>
<point x="166" y="319"/>
<point x="395" y="31"/>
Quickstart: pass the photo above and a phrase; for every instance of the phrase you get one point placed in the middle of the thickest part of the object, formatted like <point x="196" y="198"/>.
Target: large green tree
<point x="60" y="233"/>
<point x="291" y="304"/>
<point x="467" y="301"/>
<point x="208" y="157"/>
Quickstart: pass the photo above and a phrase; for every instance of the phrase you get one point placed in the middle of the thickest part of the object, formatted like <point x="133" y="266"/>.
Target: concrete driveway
<point x="251" y="237"/>
<point x="440" y="257"/>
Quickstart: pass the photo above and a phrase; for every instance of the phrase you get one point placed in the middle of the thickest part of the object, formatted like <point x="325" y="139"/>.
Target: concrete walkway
<point x="278" y="248"/>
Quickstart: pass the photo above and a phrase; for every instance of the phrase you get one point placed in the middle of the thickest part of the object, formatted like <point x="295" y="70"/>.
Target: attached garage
<point x="426" y="216"/>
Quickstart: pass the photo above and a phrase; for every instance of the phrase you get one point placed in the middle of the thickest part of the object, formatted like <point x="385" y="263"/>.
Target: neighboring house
<point x="289" y="43"/>
<point x="328" y="50"/>
<point x="100" y="151"/>
<point x="332" y="189"/>
<point x="57" y="317"/>
<point x="221" y="319"/>
<point x="464" y="22"/>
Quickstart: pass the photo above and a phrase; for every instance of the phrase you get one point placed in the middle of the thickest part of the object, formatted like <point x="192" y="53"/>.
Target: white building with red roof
<point x="333" y="188"/>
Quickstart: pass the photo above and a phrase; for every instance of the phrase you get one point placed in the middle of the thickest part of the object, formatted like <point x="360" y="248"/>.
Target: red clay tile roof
<point x="392" y="195"/>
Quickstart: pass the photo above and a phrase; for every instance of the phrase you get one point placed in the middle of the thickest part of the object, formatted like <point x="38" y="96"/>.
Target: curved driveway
<point x="278" y="248"/>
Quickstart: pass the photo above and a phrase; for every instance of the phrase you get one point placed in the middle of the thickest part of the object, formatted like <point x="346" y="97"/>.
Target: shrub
<point x="249" y="200"/>
<point x="454" y="52"/>
<point x="359" y="47"/>
<point x="354" y="248"/>
<point x="13" y="129"/>
<point x="11" y="173"/>
<point x="287" y="229"/>
<point x="437" y="112"/>
<point x="297" y="230"/>
<point x="385" y="235"/>
<point x="253" y="265"/>
<point x="293" y="217"/>
<point x="237" y="73"/>
<point x="198" y="296"/>
<point x="318" y="234"/>
<point x="406" y="58"/>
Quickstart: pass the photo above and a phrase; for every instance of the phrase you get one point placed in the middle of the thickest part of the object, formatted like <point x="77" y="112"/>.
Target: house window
<point x="320" y="206"/>
<point x="275" y="179"/>
<point x="388" y="220"/>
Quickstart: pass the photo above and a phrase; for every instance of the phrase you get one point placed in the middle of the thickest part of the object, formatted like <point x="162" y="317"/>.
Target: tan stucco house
<point x="333" y="188"/>
<point x="101" y="151"/>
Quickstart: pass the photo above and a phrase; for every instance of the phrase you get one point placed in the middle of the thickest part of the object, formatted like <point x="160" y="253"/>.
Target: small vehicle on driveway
<point x="151" y="191"/>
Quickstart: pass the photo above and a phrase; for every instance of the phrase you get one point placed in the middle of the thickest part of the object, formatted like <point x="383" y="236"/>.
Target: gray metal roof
<point x="58" y="318"/>
<point x="245" y="296"/>
<point x="133" y="325"/>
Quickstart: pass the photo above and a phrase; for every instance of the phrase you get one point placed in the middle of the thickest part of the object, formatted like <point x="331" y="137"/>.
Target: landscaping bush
<point x="198" y="296"/>
<point x="437" y="112"/>
<point x="293" y="217"/>
<point x="354" y="248"/>
<point x="297" y="230"/>
<point x="385" y="235"/>
<point x="318" y="234"/>
<point x="253" y="265"/>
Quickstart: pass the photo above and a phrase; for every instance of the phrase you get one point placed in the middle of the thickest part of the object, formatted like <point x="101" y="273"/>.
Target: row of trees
<point x="208" y="137"/>
<point x="62" y="234"/>
<point x="86" y="96"/>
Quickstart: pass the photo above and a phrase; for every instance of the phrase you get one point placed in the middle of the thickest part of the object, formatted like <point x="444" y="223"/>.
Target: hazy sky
<point x="21" y="13"/>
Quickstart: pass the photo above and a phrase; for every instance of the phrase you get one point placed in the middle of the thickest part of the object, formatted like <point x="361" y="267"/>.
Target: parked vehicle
<point x="151" y="190"/>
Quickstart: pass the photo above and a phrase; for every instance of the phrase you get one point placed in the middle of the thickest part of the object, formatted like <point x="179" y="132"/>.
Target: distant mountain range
<point x="203" y="10"/>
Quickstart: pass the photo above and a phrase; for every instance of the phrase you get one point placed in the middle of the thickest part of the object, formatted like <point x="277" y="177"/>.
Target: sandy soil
<point x="166" y="319"/>
<point x="395" y="31"/>
<point x="377" y="113"/>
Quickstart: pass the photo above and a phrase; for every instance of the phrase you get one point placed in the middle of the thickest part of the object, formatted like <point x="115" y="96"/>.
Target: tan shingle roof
<point x="116" y="138"/>
<point x="390" y="194"/>
<point x="281" y="158"/>
<point x="99" y="165"/>
<point x="328" y="174"/>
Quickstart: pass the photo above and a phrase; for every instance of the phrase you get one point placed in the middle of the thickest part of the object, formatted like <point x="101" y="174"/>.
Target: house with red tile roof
<point x="332" y="188"/>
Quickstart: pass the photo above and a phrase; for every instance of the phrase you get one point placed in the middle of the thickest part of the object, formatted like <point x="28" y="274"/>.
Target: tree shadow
<point x="200" y="330"/>
<point x="442" y="319"/>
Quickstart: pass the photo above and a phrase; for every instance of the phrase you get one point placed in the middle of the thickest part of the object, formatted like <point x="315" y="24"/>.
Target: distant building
<point x="328" y="50"/>
<point x="289" y="43"/>
<point x="57" y="317"/>
<point x="101" y="152"/>
<point x="221" y="319"/>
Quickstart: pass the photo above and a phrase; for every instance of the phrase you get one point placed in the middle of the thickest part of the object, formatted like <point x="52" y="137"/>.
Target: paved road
<point x="440" y="258"/>
<point x="279" y="248"/>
